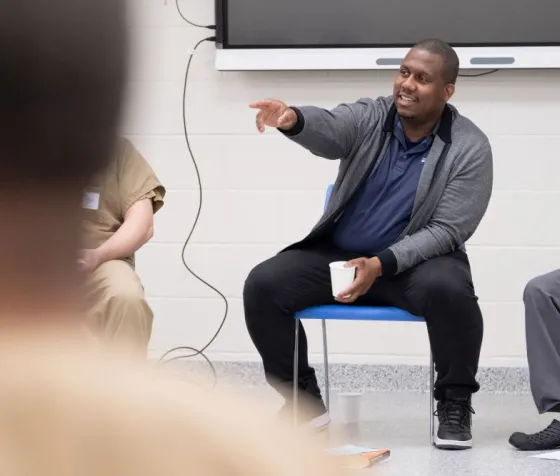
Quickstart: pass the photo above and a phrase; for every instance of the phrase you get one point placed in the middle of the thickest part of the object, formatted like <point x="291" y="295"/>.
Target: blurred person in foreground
<point x="67" y="409"/>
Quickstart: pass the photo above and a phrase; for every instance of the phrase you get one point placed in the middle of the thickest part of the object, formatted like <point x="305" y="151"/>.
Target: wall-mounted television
<point x="376" y="34"/>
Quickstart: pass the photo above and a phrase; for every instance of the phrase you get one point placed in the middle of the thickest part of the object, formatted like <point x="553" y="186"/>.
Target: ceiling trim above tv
<point x="265" y="59"/>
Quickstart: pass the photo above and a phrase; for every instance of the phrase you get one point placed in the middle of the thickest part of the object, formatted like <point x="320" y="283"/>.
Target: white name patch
<point x="91" y="201"/>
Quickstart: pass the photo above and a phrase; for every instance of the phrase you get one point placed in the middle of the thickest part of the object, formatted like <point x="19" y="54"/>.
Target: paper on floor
<point x="351" y="450"/>
<point x="555" y="455"/>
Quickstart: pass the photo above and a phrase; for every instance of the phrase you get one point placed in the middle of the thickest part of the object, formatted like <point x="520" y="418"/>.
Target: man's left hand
<point x="367" y="271"/>
<point x="89" y="260"/>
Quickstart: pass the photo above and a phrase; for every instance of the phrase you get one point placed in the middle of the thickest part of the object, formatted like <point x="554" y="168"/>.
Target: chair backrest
<point x="328" y="196"/>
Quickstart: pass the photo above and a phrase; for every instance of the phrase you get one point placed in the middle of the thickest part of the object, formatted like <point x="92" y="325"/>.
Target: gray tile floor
<point x="400" y="422"/>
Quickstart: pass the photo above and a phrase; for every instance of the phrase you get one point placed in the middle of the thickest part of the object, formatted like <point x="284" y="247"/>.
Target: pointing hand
<point x="274" y="113"/>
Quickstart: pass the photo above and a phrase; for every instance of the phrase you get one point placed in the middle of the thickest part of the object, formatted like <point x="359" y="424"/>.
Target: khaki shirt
<point x="128" y="179"/>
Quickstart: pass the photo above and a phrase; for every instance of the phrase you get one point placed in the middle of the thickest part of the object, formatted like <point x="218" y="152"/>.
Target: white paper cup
<point x="350" y="407"/>
<point x="341" y="277"/>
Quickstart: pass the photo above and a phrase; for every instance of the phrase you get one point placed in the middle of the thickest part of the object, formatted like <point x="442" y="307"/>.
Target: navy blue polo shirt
<point x="381" y="209"/>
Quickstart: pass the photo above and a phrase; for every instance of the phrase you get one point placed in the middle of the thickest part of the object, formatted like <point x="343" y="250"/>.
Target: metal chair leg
<point x="326" y="364"/>
<point x="432" y="385"/>
<point x="296" y="373"/>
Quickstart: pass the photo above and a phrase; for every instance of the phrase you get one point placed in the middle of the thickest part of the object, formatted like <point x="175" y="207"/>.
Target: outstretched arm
<point x="331" y="134"/>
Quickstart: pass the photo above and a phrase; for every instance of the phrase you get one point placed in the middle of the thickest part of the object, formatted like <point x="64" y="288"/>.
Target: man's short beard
<point x="410" y="118"/>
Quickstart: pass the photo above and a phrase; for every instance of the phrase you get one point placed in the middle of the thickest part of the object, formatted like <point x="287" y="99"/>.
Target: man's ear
<point x="448" y="91"/>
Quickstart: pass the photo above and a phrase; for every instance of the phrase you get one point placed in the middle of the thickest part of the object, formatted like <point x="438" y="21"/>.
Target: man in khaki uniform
<point x="119" y="208"/>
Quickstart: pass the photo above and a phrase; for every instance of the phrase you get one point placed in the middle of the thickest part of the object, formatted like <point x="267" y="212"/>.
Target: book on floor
<point x="358" y="457"/>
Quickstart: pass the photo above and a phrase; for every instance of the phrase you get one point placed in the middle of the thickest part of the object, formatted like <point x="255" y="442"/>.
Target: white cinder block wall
<point x="262" y="192"/>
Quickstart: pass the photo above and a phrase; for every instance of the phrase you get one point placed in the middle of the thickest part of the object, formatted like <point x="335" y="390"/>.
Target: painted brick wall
<point x="262" y="192"/>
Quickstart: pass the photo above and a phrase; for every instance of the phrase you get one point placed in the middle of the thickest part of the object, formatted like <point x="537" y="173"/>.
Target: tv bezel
<point x="229" y="57"/>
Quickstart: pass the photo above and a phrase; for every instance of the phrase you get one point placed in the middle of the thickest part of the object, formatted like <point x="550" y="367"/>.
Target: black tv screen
<point x="384" y="23"/>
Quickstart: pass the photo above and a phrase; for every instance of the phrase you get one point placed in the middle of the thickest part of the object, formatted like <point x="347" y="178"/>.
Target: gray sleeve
<point x="459" y="212"/>
<point x="332" y="134"/>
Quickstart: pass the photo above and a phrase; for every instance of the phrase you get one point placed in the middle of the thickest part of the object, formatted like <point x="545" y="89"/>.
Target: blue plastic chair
<point x="352" y="313"/>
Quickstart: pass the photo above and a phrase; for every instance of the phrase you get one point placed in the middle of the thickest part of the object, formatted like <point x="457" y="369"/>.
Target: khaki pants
<point x="119" y="313"/>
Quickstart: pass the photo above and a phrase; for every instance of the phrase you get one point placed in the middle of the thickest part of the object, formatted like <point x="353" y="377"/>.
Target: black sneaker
<point x="312" y="414"/>
<point x="454" y="432"/>
<point x="547" y="439"/>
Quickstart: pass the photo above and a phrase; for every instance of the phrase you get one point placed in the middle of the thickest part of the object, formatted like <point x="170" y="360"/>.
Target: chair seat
<point x="346" y="312"/>
<point x="357" y="313"/>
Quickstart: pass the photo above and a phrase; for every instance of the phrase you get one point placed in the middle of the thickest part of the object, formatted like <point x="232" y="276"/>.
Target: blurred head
<point x="63" y="72"/>
<point x="63" y="66"/>
<point x="426" y="81"/>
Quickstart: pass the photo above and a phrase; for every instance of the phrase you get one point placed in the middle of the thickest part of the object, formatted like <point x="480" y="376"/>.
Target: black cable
<point x="194" y="351"/>
<point x="197" y="352"/>
<point x="210" y="27"/>
<point x="477" y="75"/>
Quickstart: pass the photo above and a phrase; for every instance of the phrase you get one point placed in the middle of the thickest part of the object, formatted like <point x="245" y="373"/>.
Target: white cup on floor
<point x="350" y="407"/>
<point x="341" y="277"/>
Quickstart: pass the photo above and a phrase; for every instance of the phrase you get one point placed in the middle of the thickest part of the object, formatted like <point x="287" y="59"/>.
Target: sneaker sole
<point x="452" y="444"/>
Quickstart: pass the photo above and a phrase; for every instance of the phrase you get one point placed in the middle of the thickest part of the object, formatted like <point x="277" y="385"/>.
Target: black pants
<point x="440" y="290"/>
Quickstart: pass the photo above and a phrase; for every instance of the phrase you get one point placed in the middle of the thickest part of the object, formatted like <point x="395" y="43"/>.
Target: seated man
<point x="542" y="324"/>
<point x="119" y="213"/>
<point x="414" y="182"/>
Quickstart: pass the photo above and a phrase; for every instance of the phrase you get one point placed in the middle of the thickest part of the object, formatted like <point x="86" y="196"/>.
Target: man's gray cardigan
<point x="454" y="189"/>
